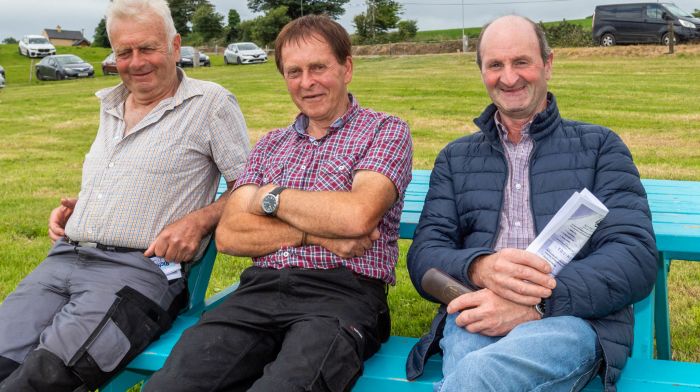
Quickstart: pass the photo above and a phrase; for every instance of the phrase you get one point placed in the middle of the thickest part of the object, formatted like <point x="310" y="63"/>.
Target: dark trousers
<point x="282" y="330"/>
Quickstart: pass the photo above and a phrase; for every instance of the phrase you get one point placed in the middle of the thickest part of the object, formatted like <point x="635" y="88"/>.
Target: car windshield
<point x="110" y="58"/>
<point x="186" y="51"/>
<point x="247" y="47"/>
<point x="70" y="59"/>
<point x="38" y="40"/>
<point x="677" y="11"/>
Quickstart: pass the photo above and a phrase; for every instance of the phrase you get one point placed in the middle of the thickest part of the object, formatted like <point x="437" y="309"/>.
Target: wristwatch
<point x="539" y="308"/>
<point x="271" y="201"/>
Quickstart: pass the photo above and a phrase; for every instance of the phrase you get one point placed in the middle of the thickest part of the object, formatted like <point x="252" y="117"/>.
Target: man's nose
<point x="509" y="76"/>
<point x="307" y="80"/>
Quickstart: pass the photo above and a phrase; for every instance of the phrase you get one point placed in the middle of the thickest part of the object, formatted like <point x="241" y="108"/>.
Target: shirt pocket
<point x="336" y="174"/>
<point x="274" y="173"/>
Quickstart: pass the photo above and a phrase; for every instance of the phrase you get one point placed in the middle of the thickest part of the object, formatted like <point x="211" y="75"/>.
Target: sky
<point x="21" y="17"/>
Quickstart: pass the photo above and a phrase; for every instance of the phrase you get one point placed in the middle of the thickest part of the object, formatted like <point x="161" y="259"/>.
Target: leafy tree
<point x="264" y="29"/>
<point x="407" y="29"/>
<point x="332" y="8"/>
<point x="696" y="13"/>
<point x="207" y="22"/>
<point x="233" y="29"/>
<point x="101" y="39"/>
<point x="9" y="40"/>
<point x="183" y="11"/>
<point x="381" y="15"/>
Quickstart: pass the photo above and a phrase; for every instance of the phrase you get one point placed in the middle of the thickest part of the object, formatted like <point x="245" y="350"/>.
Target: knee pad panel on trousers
<point x="132" y="322"/>
<point x="342" y="364"/>
<point x="41" y="371"/>
<point x="7" y="366"/>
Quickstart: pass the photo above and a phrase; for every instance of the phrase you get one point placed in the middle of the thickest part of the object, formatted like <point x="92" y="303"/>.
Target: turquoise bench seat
<point x="676" y="219"/>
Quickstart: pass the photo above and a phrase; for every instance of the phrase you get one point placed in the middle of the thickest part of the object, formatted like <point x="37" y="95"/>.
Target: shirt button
<point x="89" y="231"/>
<point x="285" y="254"/>
<point x="99" y="196"/>
<point x="518" y="186"/>
<point x="117" y="138"/>
<point x="303" y="167"/>
<point x="341" y="167"/>
<point x="517" y="224"/>
<point x="111" y="164"/>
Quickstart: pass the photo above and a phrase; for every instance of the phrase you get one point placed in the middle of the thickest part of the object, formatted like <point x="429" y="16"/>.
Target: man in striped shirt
<point x="318" y="209"/>
<point x="112" y="282"/>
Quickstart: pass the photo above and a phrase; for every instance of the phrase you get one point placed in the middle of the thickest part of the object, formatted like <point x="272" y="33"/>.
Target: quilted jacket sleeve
<point x="618" y="265"/>
<point x="437" y="239"/>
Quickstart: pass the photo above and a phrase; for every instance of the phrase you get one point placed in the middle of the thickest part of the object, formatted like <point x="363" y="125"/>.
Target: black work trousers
<point x="282" y="330"/>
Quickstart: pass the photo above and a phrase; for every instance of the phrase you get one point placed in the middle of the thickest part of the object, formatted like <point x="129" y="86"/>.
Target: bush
<point x="568" y="35"/>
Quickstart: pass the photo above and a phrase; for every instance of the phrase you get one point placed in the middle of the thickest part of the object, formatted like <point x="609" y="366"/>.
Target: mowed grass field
<point x="648" y="97"/>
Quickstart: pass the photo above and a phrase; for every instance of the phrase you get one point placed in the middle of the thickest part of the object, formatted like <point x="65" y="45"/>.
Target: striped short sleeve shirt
<point x="361" y="139"/>
<point x="168" y="165"/>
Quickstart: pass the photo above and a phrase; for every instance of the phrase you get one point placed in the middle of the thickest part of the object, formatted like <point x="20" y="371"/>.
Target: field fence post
<point x="31" y="67"/>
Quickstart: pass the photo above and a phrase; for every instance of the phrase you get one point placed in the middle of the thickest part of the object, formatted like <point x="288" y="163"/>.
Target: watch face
<point x="269" y="204"/>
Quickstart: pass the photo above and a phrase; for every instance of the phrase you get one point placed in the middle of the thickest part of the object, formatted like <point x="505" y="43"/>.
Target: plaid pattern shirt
<point x="360" y="140"/>
<point x="516" y="228"/>
<point x="165" y="168"/>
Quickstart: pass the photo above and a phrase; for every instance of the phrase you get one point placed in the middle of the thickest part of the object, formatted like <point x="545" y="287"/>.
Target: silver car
<point x="244" y="53"/>
<point x="2" y="77"/>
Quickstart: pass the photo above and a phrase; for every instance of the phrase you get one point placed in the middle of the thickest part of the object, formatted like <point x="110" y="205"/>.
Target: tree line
<point x="200" y="24"/>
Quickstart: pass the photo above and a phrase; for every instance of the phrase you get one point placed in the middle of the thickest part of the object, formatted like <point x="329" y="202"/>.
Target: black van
<point x="642" y="23"/>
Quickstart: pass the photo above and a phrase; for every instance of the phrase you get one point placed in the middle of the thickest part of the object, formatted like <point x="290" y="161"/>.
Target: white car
<point x="35" y="46"/>
<point x="2" y="81"/>
<point x="244" y="53"/>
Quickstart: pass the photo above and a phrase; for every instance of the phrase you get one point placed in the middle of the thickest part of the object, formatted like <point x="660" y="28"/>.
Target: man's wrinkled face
<point x="144" y="60"/>
<point x="315" y="79"/>
<point x="512" y="68"/>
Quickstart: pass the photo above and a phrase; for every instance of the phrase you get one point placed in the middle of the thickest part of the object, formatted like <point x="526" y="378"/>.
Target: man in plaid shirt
<point x="318" y="209"/>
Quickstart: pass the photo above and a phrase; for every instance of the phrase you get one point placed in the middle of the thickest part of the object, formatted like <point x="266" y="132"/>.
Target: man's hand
<point x="514" y="274"/>
<point x="59" y="217"/>
<point x="346" y="247"/>
<point x="178" y="241"/>
<point x="487" y="313"/>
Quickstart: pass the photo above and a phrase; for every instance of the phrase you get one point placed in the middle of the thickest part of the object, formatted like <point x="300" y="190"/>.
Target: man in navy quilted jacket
<point x="490" y="194"/>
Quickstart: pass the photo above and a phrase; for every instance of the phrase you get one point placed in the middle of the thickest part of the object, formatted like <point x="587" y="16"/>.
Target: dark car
<point x="2" y="72"/>
<point x="187" y="55"/>
<point x="109" y="65"/>
<point x="63" y="66"/>
<point x="642" y="23"/>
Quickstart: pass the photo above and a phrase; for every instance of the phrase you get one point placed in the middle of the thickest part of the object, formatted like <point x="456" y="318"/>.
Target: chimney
<point x="58" y="28"/>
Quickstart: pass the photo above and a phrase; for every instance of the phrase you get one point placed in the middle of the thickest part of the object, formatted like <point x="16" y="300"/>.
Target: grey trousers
<point x="89" y="308"/>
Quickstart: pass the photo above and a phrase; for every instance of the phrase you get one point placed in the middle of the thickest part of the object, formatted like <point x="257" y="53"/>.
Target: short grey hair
<point x="138" y="10"/>
<point x="545" y="50"/>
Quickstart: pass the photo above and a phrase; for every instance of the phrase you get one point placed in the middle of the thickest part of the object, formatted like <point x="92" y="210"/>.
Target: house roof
<point x="64" y="34"/>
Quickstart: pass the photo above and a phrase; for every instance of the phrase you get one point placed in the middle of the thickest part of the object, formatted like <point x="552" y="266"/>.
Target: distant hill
<point x="473" y="32"/>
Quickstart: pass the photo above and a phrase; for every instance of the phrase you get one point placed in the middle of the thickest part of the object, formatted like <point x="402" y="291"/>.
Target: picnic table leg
<point x="644" y="328"/>
<point x="661" y="314"/>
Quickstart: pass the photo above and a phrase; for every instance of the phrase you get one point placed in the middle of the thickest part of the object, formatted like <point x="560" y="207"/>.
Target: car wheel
<point x="38" y="75"/>
<point x="60" y="76"/>
<point x="19" y="50"/>
<point x="239" y="61"/>
<point x="607" y="40"/>
<point x="666" y="38"/>
<point x="225" y="61"/>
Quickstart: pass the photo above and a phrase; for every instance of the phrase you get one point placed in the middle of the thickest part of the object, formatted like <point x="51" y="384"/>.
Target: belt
<point x="108" y="248"/>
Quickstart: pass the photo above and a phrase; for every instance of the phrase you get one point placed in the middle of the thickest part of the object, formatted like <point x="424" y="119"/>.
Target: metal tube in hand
<point x="442" y="286"/>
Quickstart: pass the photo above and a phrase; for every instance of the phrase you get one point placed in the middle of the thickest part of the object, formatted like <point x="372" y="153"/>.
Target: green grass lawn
<point x="650" y="100"/>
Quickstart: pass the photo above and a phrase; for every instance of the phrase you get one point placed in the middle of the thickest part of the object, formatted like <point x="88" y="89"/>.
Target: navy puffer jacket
<point x="459" y="222"/>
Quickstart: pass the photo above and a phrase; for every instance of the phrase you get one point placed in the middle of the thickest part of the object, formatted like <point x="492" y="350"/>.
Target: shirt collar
<point x="115" y="96"/>
<point x="302" y="120"/>
<point x="503" y="131"/>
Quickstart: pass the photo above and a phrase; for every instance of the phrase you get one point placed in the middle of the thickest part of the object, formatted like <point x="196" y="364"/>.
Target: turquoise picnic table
<point x="675" y="210"/>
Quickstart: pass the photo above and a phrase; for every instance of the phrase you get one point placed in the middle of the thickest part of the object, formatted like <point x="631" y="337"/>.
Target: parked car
<point x="63" y="66"/>
<point x="187" y="55"/>
<point x="35" y="46"/>
<point x="642" y="23"/>
<point x="2" y="81"/>
<point x="2" y="71"/>
<point x="109" y="65"/>
<point x="244" y="53"/>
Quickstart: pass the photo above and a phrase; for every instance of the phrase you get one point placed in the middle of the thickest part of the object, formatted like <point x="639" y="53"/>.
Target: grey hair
<point x="138" y="10"/>
<point x="545" y="50"/>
